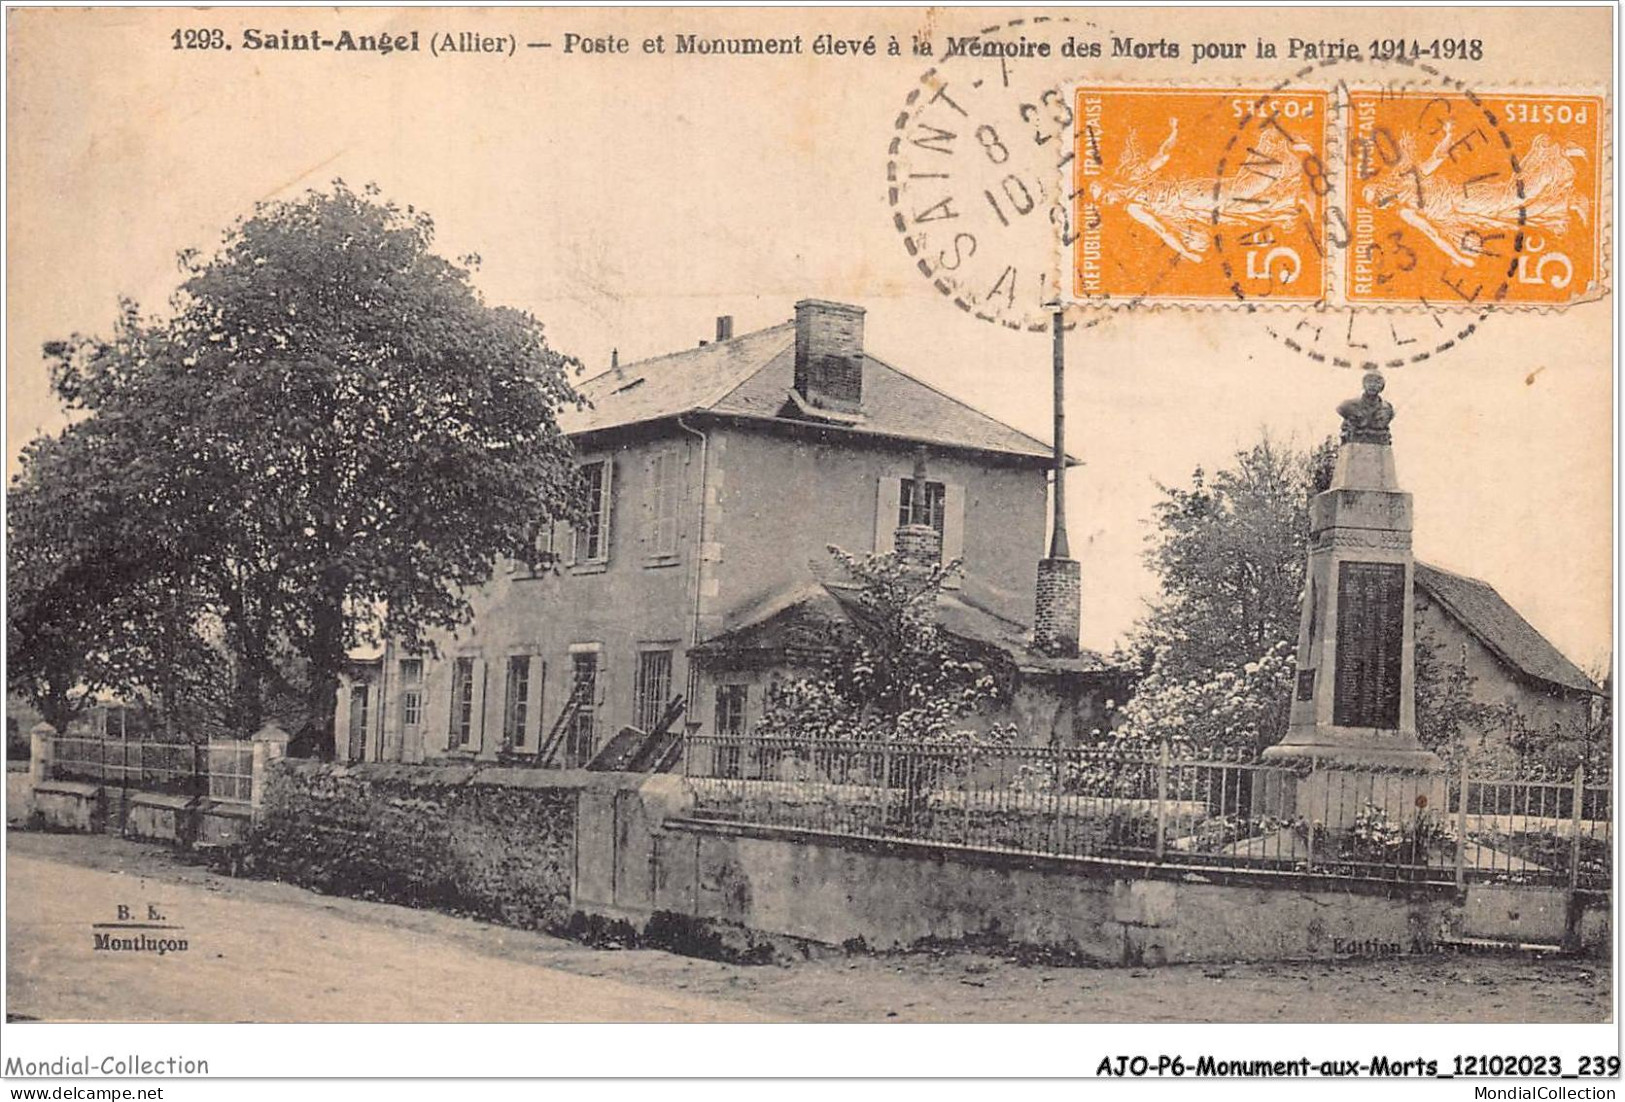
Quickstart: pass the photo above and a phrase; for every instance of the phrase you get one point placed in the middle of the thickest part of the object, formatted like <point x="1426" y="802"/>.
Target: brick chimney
<point x="829" y="355"/>
<point x="1059" y="596"/>
<point x="916" y="543"/>
<point x="725" y="327"/>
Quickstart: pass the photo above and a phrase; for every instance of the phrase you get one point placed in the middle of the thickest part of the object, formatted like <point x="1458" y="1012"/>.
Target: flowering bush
<point x="890" y="671"/>
<point x="1238" y="709"/>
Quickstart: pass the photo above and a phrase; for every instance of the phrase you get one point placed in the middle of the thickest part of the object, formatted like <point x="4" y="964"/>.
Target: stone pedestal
<point x="270" y="742"/>
<point x="1353" y="720"/>
<point x="39" y="752"/>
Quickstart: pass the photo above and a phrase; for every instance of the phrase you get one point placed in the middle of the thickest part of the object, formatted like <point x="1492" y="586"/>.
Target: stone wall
<point x="497" y="842"/>
<point x="893" y="895"/>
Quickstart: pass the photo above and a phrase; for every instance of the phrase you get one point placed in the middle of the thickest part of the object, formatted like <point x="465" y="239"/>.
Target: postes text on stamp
<point x="1457" y="198"/>
<point x="1153" y="215"/>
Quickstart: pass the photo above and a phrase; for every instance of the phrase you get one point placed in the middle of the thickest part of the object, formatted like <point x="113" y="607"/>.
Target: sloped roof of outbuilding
<point x="789" y="619"/>
<point x="1477" y="606"/>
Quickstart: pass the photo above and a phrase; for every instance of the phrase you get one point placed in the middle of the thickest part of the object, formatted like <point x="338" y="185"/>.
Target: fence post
<point x="964" y="783"/>
<point x="1461" y="826"/>
<point x="1162" y="798"/>
<point x="1579" y="811"/>
<point x="269" y="743"/>
<point x="1058" y="782"/>
<point x="885" y="785"/>
<point x="40" y="746"/>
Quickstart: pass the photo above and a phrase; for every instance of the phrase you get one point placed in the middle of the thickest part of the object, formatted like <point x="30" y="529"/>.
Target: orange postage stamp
<point x="1199" y="194"/>
<point x="1487" y="199"/>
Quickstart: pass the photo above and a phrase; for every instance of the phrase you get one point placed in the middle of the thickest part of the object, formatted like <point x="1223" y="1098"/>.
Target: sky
<point x="628" y="200"/>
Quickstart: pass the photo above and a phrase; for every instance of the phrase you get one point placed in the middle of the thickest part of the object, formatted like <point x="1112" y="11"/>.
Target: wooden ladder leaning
<point x="555" y="737"/>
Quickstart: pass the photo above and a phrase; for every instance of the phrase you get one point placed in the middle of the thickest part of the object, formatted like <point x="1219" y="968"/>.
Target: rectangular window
<point x="730" y="709"/>
<point x="730" y="722"/>
<point x="358" y="719"/>
<point x="411" y="692"/>
<point x="653" y="688"/>
<point x="516" y="713"/>
<point x="592" y="535"/>
<point x="936" y="500"/>
<point x="663" y="494"/>
<point x="535" y="552"/>
<point x="579" y="743"/>
<point x="462" y="702"/>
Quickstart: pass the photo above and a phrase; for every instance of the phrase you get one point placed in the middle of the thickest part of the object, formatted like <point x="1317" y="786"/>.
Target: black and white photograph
<point x="1092" y="520"/>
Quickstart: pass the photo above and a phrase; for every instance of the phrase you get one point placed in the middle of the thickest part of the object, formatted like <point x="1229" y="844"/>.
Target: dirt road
<point x="260" y="951"/>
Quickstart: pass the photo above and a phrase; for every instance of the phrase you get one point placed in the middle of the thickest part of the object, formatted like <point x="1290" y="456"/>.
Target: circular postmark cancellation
<point x="1402" y="278"/>
<point x="976" y="170"/>
<point x="1371" y="212"/>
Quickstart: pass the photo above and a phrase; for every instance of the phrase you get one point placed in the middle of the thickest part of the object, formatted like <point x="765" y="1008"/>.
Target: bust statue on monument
<point x="1366" y="418"/>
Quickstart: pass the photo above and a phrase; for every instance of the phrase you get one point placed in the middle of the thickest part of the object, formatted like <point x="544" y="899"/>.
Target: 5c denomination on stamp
<point x="1151" y="209"/>
<point x="1456" y="197"/>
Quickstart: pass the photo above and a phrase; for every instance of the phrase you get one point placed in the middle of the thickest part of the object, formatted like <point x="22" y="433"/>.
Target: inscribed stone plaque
<point x="1370" y="633"/>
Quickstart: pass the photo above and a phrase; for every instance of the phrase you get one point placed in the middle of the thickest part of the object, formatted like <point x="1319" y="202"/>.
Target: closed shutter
<point x="476" y="738"/>
<point x="953" y="530"/>
<point x="666" y="518"/>
<point x="651" y="491"/>
<point x="887" y="496"/>
<point x="660" y="494"/>
<point x="531" y="735"/>
<point x="605" y="508"/>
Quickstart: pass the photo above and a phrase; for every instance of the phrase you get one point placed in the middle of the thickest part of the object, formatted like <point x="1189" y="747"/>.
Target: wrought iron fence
<point x="1165" y="807"/>
<point x="221" y="770"/>
<point x="1539" y="829"/>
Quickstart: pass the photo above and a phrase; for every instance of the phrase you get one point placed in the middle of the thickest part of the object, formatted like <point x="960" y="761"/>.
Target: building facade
<point x="718" y="478"/>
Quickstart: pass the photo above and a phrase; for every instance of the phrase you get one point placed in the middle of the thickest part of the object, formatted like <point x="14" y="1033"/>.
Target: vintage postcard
<point x="526" y="516"/>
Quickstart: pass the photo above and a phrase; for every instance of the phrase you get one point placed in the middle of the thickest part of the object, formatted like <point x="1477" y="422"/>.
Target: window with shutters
<point x="411" y="678"/>
<point x="537" y="556"/>
<point x="592" y="535"/>
<point x="517" y="709"/>
<point x="936" y="498"/>
<point x="945" y="509"/>
<point x="661" y="507"/>
<point x="936" y="507"/>
<point x="462" y="703"/>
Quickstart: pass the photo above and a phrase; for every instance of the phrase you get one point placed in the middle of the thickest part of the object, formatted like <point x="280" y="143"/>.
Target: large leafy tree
<point x="1229" y="552"/>
<point x="330" y="437"/>
<point x="93" y="606"/>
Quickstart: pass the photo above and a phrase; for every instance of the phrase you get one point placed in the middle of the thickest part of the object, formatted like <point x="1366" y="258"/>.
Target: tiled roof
<point x="789" y="618"/>
<point x="751" y="376"/>
<point x="675" y="383"/>
<point x="1484" y="612"/>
